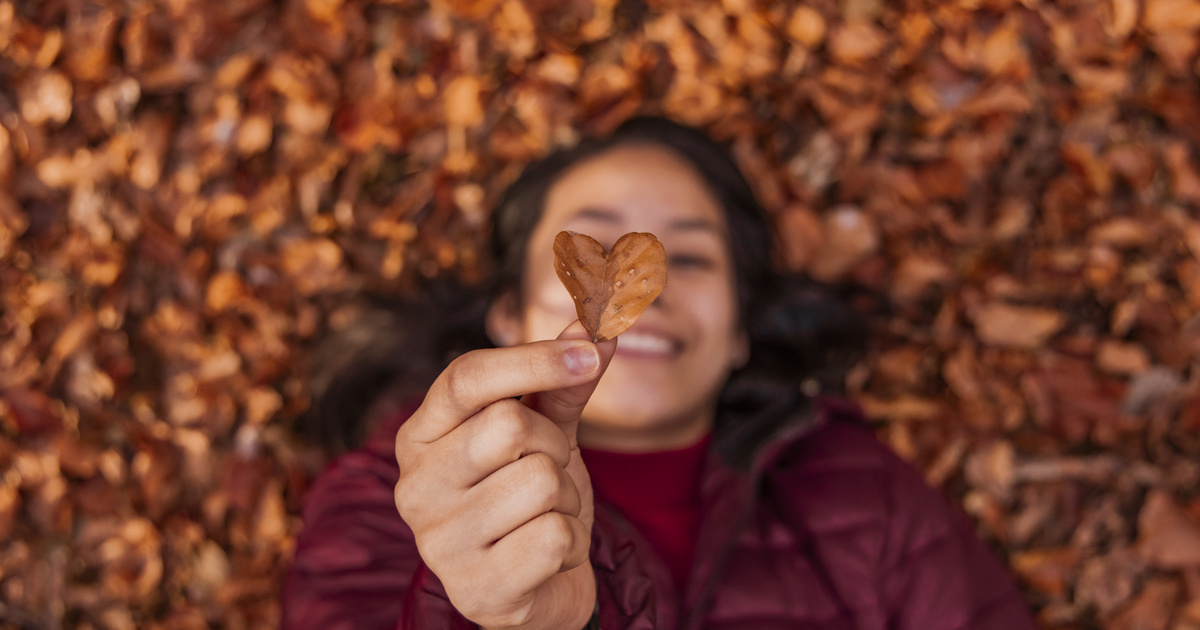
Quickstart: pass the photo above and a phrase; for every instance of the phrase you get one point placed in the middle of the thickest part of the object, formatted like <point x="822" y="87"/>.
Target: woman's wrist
<point x="594" y="622"/>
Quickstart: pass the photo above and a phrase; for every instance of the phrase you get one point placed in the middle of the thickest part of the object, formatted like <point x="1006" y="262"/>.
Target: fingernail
<point x="581" y="360"/>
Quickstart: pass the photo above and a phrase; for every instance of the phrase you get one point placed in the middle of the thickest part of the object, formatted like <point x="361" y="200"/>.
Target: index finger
<point x="481" y="377"/>
<point x="565" y="405"/>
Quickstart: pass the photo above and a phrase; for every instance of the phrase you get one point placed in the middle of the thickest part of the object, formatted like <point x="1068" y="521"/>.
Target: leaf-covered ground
<point x="190" y="191"/>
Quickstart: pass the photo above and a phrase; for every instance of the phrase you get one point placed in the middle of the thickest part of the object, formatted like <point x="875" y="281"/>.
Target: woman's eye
<point x="689" y="261"/>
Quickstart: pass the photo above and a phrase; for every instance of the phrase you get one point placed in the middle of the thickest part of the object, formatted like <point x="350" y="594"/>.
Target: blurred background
<point x="193" y="192"/>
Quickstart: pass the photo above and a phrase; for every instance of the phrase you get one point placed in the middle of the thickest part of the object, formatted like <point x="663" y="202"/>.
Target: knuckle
<point x="503" y="431"/>
<point x="512" y="421"/>
<point x="543" y="464"/>
<point x="558" y="533"/>
<point x="545" y="481"/>
<point x="504" y="415"/>
<point x="406" y="451"/>
<point x="409" y="501"/>
<point x="458" y="382"/>
<point x="403" y="498"/>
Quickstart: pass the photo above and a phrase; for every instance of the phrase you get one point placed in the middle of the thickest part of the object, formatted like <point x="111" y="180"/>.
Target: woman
<point x="677" y="476"/>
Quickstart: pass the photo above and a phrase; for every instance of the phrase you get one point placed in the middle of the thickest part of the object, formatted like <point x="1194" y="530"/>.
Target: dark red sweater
<point x="659" y="494"/>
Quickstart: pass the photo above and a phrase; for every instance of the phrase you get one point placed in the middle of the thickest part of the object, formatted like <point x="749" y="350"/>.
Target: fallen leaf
<point x="1048" y="571"/>
<point x="1122" y="232"/>
<point x="857" y="42"/>
<point x="1171" y="15"/>
<point x="46" y="98"/>
<point x="1167" y="538"/>
<point x="1116" y="357"/>
<point x="1151" y="609"/>
<point x="1016" y="326"/>
<point x="991" y="468"/>
<point x="1107" y="582"/>
<point x="806" y="26"/>
<point x="802" y="232"/>
<point x="850" y="236"/>
<point x="610" y="289"/>
<point x="462" y="104"/>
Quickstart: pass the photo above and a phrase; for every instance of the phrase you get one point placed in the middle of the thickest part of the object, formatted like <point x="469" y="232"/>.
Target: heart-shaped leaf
<point x="610" y="290"/>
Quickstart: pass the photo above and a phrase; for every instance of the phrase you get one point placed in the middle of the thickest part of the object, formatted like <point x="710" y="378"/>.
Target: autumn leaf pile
<point x="190" y="191"/>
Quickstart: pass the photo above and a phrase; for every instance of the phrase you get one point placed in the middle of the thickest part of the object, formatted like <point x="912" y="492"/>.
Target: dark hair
<point x="801" y="336"/>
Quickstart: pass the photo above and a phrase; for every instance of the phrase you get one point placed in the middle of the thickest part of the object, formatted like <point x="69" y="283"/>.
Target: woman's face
<point x="661" y="388"/>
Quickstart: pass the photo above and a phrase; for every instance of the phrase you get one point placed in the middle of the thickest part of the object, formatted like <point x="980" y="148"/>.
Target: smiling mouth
<point x="645" y="344"/>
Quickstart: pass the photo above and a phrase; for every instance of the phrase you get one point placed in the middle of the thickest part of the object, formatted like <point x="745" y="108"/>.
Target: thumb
<point x="565" y="405"/>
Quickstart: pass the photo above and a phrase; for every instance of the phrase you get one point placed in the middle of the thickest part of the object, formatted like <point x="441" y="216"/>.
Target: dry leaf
<point x="1122" y="358"/>
<point x="806" y="27"/>
<point x="610" y="290"/>
<point x="462" y="104"/>
<point x="857" y="42"/>
<point x="1168" y="538"/>
<point x="1047" y="570"/>
<point x="1108" y="581"/>
<point x="1163" y="16"/>
<point x="46" y="98"/>
<point x="1151" y="609"/>
<point x="1016" y="326"/>
<point x="850" y="236"/>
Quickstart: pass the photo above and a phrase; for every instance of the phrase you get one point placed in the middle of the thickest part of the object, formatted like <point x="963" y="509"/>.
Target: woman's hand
<point x="494" y="488"/>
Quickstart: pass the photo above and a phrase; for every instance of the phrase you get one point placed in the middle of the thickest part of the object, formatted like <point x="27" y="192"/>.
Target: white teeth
<point x="645" y="343"/>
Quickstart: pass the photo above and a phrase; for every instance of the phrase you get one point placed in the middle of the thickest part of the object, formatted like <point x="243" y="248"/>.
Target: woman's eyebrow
<point x="685" y="225"/>
<point x="606" y="215"/>
<point x="598" y="214"/>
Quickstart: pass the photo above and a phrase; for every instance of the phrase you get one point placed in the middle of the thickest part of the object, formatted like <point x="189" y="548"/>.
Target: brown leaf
<point x="857" y="42"/>
<point x="1167" y="538"/>
<point x="903" y="408"/>
<point x="32" y="411"/>
<point x="89" y="44"/>
<point x="1177" y="49"/>
<point x="1016" y="326"/>
<point x="10" y="506"/>
<point x="850" y="237"/>
<point x="315" y="265"/>
<point x="1122" y="232"/>
<point x="470" y="9"/>
<point x="806" y="27"/>
<point x="1107" y="582"/>
<point x="225" y="290"/>
<point x="1151" y="609"/>
<point x="1047" y="570"/>
<point x="1171" y="15"/>
<point x="46" y="98"/>
<point x="990" y="468"/>
<point x="610" y="290"/>
<point x="1122" y="358"/>
<point x="1185" y="178"/>
<point x="462" y="104"/>
<point x="1012" y="220"/>
<point x="1134" y="163"/>
<point x="1123" y="16"/>
<point x="802" y="232"/>
<point x="915" y="275"/>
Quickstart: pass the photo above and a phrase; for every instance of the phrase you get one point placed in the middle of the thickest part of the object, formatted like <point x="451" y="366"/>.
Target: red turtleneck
<point x="658" y="493"/>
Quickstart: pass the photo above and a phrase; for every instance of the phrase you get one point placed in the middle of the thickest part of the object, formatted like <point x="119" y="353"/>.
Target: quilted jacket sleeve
<point x="937" y="573"/>
<point x="895" y="552"/>
<point x="356" y="565"/>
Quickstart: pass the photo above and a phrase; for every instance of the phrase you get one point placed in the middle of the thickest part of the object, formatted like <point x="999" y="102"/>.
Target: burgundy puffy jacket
<point x="829" y="530"/>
